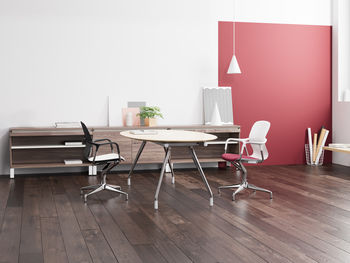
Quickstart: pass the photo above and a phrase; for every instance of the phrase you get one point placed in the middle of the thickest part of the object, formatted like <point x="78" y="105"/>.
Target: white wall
<point x="59" y="60"/>
<point x="341" y="77"/>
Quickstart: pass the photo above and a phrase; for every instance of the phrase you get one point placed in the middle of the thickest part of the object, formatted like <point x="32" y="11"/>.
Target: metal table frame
<point x="167" y="160"/>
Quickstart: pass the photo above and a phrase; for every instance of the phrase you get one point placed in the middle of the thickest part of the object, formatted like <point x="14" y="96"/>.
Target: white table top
<point x="174" y="136"/>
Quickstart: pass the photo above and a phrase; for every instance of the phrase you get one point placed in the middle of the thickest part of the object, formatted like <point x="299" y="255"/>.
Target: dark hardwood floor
<point x="43" y="218"/>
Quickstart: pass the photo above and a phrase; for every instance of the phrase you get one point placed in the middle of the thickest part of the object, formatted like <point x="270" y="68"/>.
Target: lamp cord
<point x="234" y="27"/>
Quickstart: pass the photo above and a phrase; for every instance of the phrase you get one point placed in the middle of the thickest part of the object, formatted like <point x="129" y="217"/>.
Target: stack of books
<point x="73" y="143"/>
<point x="73" y="161"/>
<point x="143" y="132"/>
<point x="67" y="125"/>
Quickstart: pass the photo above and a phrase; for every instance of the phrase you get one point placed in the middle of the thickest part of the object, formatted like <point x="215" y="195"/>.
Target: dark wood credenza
<point x="45" y="147"/>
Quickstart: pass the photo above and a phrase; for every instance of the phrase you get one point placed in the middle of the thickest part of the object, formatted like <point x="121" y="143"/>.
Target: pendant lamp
<point x="234" y="67"/>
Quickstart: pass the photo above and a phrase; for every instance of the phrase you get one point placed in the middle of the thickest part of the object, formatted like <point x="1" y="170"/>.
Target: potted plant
<point x="149" y="114"/>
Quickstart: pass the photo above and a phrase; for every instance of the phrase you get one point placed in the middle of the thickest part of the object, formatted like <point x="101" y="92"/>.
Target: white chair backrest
<point x="258" y="134"/>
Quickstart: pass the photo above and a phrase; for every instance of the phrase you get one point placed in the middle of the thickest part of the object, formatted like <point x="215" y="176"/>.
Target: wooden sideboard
<point x="45" y="147"/>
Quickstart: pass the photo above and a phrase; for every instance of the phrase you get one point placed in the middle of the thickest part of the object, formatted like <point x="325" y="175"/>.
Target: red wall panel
<point x="286" y="79"/>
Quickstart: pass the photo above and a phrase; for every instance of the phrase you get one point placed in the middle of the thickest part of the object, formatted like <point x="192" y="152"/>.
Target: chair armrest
<point x="257" y="142"/>
<point x="97" y="145"/>
<point x="102" y="140"/>
<point x="243" y="141"/>
<point x="238" y="139"/>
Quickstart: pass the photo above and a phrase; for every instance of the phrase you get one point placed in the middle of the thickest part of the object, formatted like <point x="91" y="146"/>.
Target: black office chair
<point x="109" y="161"/>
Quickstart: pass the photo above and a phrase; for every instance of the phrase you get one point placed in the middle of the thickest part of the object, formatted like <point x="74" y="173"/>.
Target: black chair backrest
<point x="87" y="141"/>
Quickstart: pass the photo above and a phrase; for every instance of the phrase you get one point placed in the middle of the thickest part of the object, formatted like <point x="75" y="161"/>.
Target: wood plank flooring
<point x="43" y="218"/>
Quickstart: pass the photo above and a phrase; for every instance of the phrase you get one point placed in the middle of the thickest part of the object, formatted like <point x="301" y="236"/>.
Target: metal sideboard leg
<point x="172" y="171"/>
<point x="12" y="173"/>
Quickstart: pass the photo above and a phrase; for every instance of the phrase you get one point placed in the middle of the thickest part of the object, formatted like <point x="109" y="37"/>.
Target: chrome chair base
<point x="241" y="187"/>
<point x="103" y="184"/>
<point x="100" y="187"/>
<point x="244" y="185"/>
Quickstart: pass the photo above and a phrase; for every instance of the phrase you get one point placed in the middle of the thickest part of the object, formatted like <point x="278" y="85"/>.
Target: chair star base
<point x="241" y="187"/>
<point x="100" y="187"/>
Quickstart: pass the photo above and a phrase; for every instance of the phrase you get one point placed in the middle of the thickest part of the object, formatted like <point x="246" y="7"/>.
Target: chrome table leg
<point x="166" y="158"/>
<point x="196" y="162"/>
<point x="135" y="161"/>
<point x="171" y="168"/>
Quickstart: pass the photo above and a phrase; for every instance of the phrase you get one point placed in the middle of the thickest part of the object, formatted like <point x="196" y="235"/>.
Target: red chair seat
<point x="231" y="157"/>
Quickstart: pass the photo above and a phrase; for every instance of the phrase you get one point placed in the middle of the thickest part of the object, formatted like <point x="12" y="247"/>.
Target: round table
<point x="169" y="139"/>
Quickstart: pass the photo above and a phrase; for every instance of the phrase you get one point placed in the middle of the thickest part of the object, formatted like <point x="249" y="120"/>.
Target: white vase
<point x="128" y="119"/>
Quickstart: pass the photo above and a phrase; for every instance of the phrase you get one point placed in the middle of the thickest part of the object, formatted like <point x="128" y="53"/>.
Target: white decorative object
<point x="221" y="96"/>
<point x="215" y="116"/>
<point x="128" y="119"/>
<point x="234" y="67"/>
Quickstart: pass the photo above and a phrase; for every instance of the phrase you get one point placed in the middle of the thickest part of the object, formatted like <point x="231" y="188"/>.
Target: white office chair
<point x="257" y="140"/>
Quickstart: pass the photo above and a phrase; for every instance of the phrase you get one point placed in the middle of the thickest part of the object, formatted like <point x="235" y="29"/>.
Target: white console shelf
<point x="40" y="147"/>
<point x="46" y="146"/>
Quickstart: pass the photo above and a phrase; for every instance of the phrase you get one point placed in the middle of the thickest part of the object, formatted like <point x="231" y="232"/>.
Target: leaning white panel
<point x="223" y="98"/>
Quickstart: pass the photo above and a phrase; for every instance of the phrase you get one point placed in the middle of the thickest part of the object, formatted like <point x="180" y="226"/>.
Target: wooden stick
<point x="323" y="142"/>
<point x="314" y="148"/>
<point x="319" y="144"/>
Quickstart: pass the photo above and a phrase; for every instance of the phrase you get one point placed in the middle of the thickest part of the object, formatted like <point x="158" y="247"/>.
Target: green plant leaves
<point x="150" y="112"/>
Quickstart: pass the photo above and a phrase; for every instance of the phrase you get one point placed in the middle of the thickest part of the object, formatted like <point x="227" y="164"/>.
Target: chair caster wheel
<point x="219" y="192"/>
<point x="81" y="192"/>
<point x="233" y="198"/>
<point x="85" y="198"/>
<point x="270" y="196"/>
<point x="126" y="198"/>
